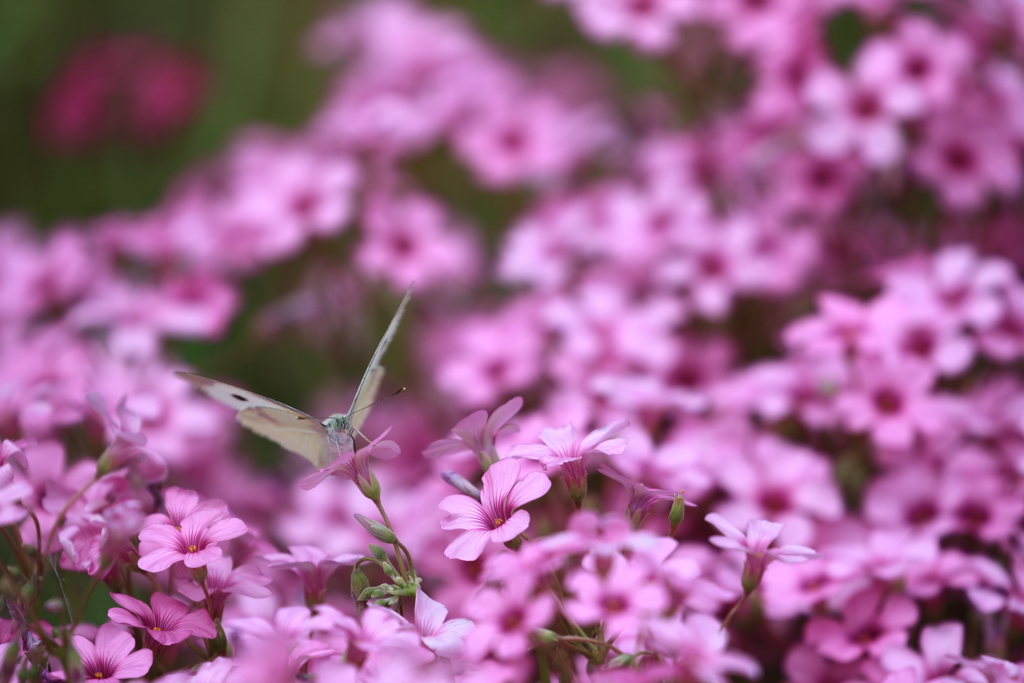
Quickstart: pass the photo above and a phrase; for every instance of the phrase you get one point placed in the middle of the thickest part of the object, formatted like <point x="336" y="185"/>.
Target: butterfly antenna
<point x="379" y="400"/>
<point x="367" y="407"/>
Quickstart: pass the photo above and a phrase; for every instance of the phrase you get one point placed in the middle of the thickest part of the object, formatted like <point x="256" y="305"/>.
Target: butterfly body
<point x="318" y="441"/>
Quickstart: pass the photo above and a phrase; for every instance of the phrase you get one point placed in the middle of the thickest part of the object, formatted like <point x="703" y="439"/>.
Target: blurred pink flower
<point x="312" y="565"/>
<point x="873" y="621"/>
<point x="442" y="637"/>
<point x="167" y="621"/>
<point x="496" y="517"/>
<point x="136" y="86"/>
<point x="754" y="543"/>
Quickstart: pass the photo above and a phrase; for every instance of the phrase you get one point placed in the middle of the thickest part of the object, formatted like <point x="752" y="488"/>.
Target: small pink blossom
<point x="222" y="580"/>
<point x="167" y="621"/>
<point x="477" y="434"/>
<point x="873" y="621"/>
<point x="760" y="534"/>
<point x="193" y="543"/>
<point x="355" y="465"/>
<point x="496" y="517"/>
<point x="111" y="658"/>
<point x="312" y="565"/>
<point x="443" y="637"/>
<point x="565" y="447"/>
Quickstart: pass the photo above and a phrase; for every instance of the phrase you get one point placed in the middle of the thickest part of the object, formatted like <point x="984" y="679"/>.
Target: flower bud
<point x="544" y="636"/>
<point x="377" y="530"/>
<point x="359" y="583"/>
<point x="677" y="513"/>
<point x="369" y="488"/>
<point x="461" y="484"/>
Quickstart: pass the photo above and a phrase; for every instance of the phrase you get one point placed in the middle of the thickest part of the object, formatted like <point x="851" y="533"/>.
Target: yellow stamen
<point x="499" y="522"/>
<point x="192" y="548"/>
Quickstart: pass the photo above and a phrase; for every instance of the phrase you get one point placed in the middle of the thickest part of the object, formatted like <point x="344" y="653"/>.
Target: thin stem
<point x="592" y="641"/>
<point x="732" y="612"/>
<point x="19" y="553"/>
<point x="398" y="553"/>
<point x="543" y="674"/>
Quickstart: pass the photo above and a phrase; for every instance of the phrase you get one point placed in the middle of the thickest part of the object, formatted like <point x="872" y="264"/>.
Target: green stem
<point x="398" y="553"/>
<point x="732" y="612"/>
<point x="59" y="520"/>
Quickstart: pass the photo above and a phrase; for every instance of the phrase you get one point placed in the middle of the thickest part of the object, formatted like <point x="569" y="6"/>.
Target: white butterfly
<point x="317" y="441"/>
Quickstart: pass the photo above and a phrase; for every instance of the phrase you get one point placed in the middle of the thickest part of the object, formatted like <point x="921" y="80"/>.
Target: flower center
<point x="156" y="628"/>
<point x="193" y="548"/>
<point x="98" y="674"/>
<point x="498" y="522"/>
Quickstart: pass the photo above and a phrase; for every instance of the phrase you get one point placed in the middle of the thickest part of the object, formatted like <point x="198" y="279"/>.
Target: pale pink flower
<point x="355" y="465"/>
<point x="128" y="441"/>
<point x="505" y="620"/>
<point x="496" y="517"/>
<point x="754" y="543"/>
<point x="873" y="621"/>
<point x="565" y="447"/>
<point x="194" y="543"/>
<point x="940" y="648"/>
<point x="222" y="579"/>
<point x="443" y="637"/>
<point x="694" y="648"/>
<point x="477" y="434"/>
<point x="618" y="597"/>
<point x="650" y="25"/>
<point x="167" y="621"/>
<point x="641" y="498"/>
<point x="111" y="658"/>
<point x="312" y="565"/>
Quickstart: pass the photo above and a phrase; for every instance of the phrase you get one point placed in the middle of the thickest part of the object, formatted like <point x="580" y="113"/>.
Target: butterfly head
<point x="338" y="423"/>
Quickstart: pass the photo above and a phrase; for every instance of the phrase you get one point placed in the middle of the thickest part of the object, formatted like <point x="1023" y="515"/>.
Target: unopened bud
<point x="515" y="543"/>
<point x="377" y="530"/>
<point x="359" y="583"/>
<point x="461" y="484"/>
<point x="677" y="513"/>
<point x="54" y="605"/>
<point x="371" y="488"/>
<point x="544" y="636"/>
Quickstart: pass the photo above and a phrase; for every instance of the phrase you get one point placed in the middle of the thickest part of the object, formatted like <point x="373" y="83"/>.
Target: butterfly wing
<point x="290" y="428"/>
<point x="295" y="431"/>
<point x="365" y="398"/>
<point x="371" y="376"/>
<point x="234" y="397"/>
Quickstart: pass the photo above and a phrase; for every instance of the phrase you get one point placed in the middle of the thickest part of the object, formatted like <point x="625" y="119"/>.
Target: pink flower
<point x="760" y="534"/>
<point x="167" y="622"/>
<point x="477" y="433"/>
<point x="111" y="657"/>
<point x="940" y="644"/>
<point x="222" y="580"/>
<point x="565" y="447"/>
<point x="872" y="623"/>
<point x="617" y="597"/>
<point x="194" y="543"/>
<point x="313" y="566"/>
<point x="641" y="498"/>
<point x="356" y="465"/>
<point x="139" y="86"/>
<point x="443" y="637"/>
<point x="496" y="518"/>
<point x="505" y="620"/>
<point x="128" y="441"/>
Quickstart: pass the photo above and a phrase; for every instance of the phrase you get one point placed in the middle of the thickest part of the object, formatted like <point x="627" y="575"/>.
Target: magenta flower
<point x="477" y="433"/>
<point x="111" y="658"/>
<point x="443" y="637"/>
<point x="128" y="441"/>
<point x="641" y="498"/>
<point x="167" y="622"/>
<point x="356" y="466"/>
<point x="222" y="579"/>
<point x="760" y="534"/>
<point x="565" y="447"/>
<point x="495" y="518"/>
<point x="194" y="543"/>
<point x="873" y="622"/>
<point x="313" y="566"/>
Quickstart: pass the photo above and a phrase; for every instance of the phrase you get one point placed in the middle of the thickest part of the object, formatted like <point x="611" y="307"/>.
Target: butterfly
<point x="317" y="441"/>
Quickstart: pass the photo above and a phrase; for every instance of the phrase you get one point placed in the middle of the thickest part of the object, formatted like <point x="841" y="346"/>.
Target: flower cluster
<point x="738" y="316"/>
